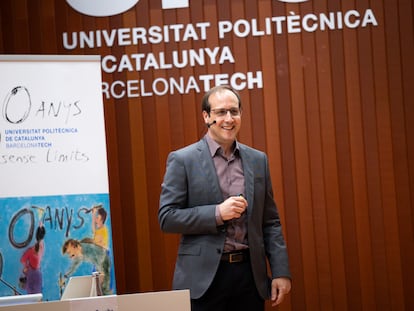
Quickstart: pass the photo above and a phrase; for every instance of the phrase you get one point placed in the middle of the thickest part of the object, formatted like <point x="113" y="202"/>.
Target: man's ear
<point x="206" y="117"/>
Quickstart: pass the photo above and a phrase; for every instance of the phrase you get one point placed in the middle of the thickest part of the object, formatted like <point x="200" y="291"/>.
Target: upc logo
<point x="293" y="1"/>
<point x="174" y="4"/>
<point x="101" y="8"/>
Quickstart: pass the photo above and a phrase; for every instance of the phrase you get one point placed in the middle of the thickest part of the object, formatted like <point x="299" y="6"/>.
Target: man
<point x="217" y="194"/>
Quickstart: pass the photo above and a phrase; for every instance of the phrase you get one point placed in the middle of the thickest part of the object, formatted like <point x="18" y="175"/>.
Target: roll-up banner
<point x="54" y="197"/>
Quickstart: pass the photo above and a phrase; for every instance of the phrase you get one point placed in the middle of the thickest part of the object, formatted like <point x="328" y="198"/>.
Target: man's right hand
<point x="233" y="207"/>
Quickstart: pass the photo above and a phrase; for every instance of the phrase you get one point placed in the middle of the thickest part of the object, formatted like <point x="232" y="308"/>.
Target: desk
<point x="152" y="301"/>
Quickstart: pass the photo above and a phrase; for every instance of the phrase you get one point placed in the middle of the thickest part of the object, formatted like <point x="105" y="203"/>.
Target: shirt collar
<point x="214" y="147"/>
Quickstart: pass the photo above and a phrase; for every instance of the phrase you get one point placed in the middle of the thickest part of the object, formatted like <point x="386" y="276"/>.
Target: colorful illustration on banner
<point x="49" y="239"/>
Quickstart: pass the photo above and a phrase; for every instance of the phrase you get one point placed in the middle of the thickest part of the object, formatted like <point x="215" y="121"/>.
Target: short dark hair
<point x="205" y="104"/>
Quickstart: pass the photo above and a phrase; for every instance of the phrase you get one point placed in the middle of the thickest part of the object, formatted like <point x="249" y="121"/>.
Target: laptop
<point x="78" y="287"/>
<point x="20" y="299"/>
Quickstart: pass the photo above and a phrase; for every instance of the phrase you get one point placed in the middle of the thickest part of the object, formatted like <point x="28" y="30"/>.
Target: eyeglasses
<point x="221" y="112"/>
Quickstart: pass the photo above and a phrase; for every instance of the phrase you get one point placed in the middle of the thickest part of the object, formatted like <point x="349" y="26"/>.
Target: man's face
<point x="225" y="112"/>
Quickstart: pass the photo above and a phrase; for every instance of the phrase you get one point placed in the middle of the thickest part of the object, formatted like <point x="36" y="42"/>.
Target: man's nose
<point x="228" y="115"/>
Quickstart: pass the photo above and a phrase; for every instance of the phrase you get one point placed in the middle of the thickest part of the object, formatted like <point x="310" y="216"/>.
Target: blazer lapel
<point x="207" y="165"/>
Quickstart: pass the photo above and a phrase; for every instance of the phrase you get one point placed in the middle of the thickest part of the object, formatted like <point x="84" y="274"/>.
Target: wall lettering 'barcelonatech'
<point x="181" y="85"/>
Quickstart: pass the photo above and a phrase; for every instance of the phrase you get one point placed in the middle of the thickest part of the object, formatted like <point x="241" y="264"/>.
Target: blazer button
<point x="218" y="251"/>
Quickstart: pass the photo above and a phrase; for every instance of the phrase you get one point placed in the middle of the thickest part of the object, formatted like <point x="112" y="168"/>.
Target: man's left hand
<point x="280" y="288"/>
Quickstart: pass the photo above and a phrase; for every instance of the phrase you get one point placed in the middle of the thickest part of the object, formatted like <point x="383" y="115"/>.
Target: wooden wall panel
<point x="335" y="116"/>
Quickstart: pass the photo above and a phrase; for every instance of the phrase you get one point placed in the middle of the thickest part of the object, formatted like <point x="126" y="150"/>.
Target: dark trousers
<point x="233" y="288"/>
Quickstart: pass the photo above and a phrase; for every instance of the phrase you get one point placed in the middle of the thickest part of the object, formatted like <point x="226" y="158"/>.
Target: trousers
<point x="233" y="288"/>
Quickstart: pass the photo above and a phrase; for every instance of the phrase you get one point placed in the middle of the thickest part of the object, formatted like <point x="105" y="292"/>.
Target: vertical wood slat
<point x="22" y="13"/>
<point x="399" y="134"/>
<point x="288" y="166"/>
<point x="334" y="238"/>
<point x="388" y="191"/>
<point x="301" y="164"/>
<point x="362" y="223"/>
<point x="406" y="10"/>
<point x="144" y="280"/>
<point x="335" y="117"/>
<point x="356" y="104"/>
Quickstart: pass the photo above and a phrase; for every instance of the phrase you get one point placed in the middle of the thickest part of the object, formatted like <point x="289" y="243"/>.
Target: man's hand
<point x="280" y="288"/>
<point x="233" y="207"/>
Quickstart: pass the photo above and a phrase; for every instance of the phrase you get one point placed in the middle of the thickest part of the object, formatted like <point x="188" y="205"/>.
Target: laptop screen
<point x="78" y="287"/>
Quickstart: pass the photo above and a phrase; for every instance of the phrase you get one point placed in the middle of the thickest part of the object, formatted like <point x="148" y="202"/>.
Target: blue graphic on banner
<point x="45" y="240"/>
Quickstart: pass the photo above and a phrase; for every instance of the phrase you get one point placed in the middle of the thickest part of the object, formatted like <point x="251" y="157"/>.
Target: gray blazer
<point x="189" y="195"/>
